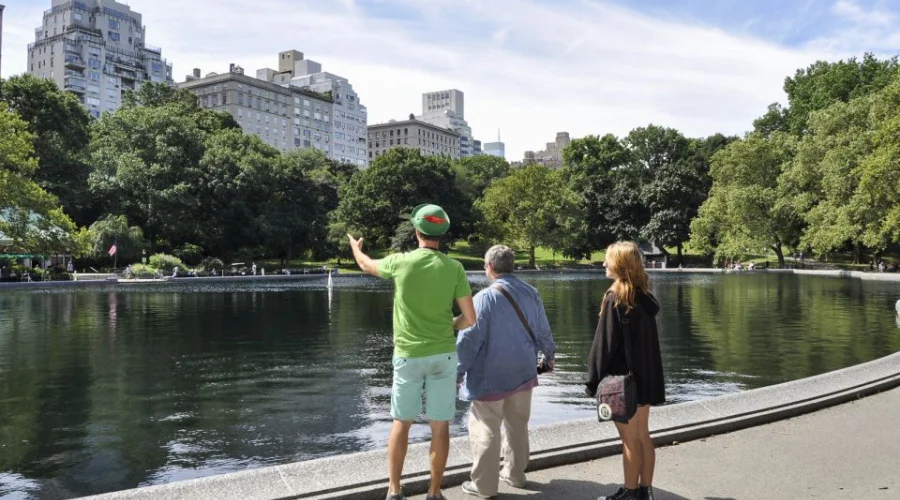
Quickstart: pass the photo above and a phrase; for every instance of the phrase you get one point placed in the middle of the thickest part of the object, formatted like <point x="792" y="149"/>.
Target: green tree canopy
<point x="592" y="166"/>
<point x="377" y="200"/>
<point x="60" y="136"/>
<point x="114" y="229"/>
<point x="746" y="211"/>
<point x="531" y="207"/>
<point x="30" y="218"/>
<point x="824" y="83"/>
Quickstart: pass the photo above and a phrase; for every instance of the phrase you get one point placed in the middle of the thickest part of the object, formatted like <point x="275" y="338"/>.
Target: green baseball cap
<point x="430" y="219"/>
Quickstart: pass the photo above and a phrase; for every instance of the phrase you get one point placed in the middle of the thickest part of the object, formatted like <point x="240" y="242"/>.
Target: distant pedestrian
<point x="253" y="269"/>
<point x="497" y="373"/>
<point x="621" y="347"/>
<point x="70" y="267"/>
<point x="881" y="266"/>
<point x="128" y="272"/>
<point x="175" y="272"/>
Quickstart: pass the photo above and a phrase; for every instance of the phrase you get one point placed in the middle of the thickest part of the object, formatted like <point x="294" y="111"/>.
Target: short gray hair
<point x="501" y="258"/>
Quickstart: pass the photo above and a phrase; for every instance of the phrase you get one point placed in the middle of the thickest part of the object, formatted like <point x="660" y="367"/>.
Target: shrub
<point x="212" y="265"/>
<point x="165" y="262"/>
<point x="144" y="271"/>
<point x="189" y="253"/>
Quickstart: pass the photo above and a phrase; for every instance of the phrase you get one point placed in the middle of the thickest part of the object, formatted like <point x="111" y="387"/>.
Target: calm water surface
<point x="112" y="388"/>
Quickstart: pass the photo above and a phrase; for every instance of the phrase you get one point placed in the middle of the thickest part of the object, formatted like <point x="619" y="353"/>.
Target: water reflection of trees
<point x="103" y="390"/>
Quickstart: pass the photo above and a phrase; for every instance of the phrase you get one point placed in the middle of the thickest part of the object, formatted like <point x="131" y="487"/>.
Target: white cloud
<point x="875" y="30"/>
<point x="850" y="10"/>
<point x="531" y="69"/>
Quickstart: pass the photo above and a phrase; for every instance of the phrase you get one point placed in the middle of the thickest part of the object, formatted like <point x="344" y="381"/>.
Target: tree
<point x="29" y="216"/>
<point x="746" y="210"/>
<point x="531" y="207"/>
<point x="677" y="191"/>
<point x="591" y="168"/>
<point x="646" y="208"/>
<point x="380" y="198"/>
<point x="841" y="179"/>
<point x="228" y="190"/>
<point x="60" y="136"/>
<point x="112" y="229"/>
<point x="295" y="217"/>
<point x="473" y="175"/>
<point x="824" y="83"/>
<point x="478" y="172"/>
<point x="145" y="161"/>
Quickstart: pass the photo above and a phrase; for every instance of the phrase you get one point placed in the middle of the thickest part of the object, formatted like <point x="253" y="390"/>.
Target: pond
<point x="110" y="388"/>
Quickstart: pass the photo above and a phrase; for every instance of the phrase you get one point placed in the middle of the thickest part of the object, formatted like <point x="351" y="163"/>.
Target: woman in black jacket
<point x="630" y="297"/>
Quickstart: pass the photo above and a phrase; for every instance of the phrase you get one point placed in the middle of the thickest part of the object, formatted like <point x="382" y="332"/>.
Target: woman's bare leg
<point x="631" y="453"/>
<point x="648" y="450"/>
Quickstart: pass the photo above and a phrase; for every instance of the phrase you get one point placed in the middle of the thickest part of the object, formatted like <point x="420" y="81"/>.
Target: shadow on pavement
<point x="581" y="490"/>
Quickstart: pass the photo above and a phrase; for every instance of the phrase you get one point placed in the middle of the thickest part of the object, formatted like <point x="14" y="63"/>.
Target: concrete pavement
<point x="847" y="451"/>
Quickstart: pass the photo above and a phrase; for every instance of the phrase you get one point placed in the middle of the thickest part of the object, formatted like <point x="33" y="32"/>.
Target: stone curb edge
<point x="454" y="476"/>
<point x="362" y="476"/>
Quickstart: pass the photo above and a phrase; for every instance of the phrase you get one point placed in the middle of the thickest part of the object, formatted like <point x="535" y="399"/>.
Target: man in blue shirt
<point x="497" y="372"/>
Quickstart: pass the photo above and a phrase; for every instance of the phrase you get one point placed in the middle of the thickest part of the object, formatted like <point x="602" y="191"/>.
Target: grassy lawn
<point x="472" y="259"/>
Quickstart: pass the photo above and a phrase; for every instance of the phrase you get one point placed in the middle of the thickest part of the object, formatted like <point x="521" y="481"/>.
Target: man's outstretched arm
<point x="366" y="263"/>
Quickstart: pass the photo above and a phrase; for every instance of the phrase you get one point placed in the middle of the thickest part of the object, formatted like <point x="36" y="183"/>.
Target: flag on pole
<point x="112" y="249"/>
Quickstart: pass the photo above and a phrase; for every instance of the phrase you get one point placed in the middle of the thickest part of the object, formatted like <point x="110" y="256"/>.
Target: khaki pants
<point x="484" y="437"/>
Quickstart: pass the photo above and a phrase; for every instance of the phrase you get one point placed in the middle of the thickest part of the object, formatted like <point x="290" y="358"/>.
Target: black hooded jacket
<point x="607" y="355"/>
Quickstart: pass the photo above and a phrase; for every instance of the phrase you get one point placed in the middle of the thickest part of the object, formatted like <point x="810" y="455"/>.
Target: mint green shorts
<point x="433" y="375"/>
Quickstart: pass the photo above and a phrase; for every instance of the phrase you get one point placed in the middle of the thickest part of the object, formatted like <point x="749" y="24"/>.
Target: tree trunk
<point x="680" y="256"/>
<point x="857" y="254"/>
<point x="780" y="254"/>
<point x="531" y="260"/>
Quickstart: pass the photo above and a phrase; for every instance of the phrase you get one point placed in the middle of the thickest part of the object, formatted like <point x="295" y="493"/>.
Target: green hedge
<point x="165" y="262"/>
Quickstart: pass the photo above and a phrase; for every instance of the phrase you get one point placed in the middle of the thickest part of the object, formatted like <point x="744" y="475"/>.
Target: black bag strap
<point x="626" y="338"/>
<point x="519" y="312"/>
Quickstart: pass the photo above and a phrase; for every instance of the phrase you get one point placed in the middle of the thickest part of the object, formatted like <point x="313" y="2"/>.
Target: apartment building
<point x="350" y="117"/>
<point x="97" y="50"/>
<point x="429" y="139"/>
<point x="283" y="117"/>
<point x="446" y="109"/>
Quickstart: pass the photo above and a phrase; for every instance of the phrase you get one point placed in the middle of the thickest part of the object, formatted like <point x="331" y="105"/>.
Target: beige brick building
<point x="283" y="117"/>
<point x="429" y="139"/>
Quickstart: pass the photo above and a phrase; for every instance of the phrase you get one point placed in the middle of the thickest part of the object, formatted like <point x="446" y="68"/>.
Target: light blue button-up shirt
<point x="497" y="355"/>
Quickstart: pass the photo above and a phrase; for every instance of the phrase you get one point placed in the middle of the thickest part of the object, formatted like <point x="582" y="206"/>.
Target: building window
<point x="113" y="36"/>
<point x="113" y="24"/>
<point x="224" y="98"/>
<point x="306" y="103"/>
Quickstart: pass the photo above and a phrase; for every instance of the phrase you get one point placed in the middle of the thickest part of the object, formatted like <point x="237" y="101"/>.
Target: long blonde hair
<point x="624" y="260"/>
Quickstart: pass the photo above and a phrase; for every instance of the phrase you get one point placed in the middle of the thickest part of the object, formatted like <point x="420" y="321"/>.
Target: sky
<point x="529" y="68"/>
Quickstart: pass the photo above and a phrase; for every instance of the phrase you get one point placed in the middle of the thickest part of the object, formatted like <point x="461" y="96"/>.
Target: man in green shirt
<point x="427" y="282"/>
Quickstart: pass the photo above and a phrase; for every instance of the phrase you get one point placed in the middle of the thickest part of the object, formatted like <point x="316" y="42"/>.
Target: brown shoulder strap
<point x="519" y="312"/>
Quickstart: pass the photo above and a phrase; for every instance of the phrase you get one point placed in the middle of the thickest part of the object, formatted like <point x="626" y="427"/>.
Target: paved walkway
<point x="848" y="451"/>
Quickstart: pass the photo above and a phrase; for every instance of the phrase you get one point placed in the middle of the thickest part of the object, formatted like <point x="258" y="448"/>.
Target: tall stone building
<point x="350" y="118"/>
<point x="552" y="155"/>
<point x="447" y="109"/>
<point x="429" y="139"/>
<point x="283" y="117"/>
<point x="97" y="50"/>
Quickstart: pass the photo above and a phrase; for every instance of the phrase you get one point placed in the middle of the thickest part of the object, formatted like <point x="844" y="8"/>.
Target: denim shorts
<point x="433" y="375"/>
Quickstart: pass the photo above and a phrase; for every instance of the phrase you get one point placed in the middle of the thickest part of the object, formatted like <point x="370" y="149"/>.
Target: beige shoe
<point x="509" y="481"/>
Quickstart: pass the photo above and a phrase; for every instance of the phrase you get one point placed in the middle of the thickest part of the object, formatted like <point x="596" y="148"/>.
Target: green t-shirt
<point x="427" y="282"/>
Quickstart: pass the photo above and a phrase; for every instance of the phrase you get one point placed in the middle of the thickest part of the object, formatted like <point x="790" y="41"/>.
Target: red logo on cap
<point x="434" y="219"/>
